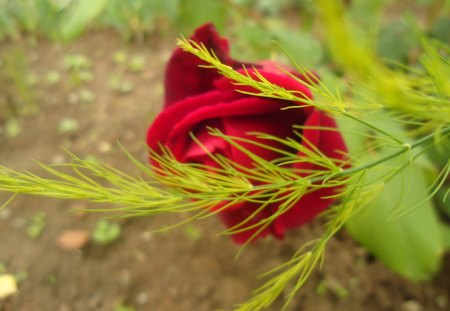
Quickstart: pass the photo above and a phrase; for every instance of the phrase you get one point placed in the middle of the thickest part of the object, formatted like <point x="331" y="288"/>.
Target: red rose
<point x="197" y="97"/>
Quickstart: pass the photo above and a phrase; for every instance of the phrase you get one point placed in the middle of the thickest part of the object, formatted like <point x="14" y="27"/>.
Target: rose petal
<point x="308" y="207"/>
<point x="212" y="144"/>
<point x="178" y="138"/>
<point x="308" y="77"/>
<point x="166" y="120"/>
<point x="184" y="77"/>
<point x="280" y="80"/>
<point x="328" y="140"/>
<point x="237" y="214"/>
<point x="199" y="97"/>
<point x="247" y="106"/>
<point x="331" y="142"/>
<point x="278" y="124"/>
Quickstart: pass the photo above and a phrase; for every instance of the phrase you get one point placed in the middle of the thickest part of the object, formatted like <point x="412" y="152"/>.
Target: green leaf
<point x="36" y="226"/>
<point x="193" y="13"/>
<point x="123" y="307"/>
<point x="443" y="200"/>
<point x="192" y="232"/>
<point x="440" y="28"/>
<point x="106" y="232"/>
<point x="270" y="7"/>
<point x="439" y="153"/>
<point x="137" y="63"/>
<point x="396" y="41"/>
<point x="412" y="244"/>
<point x="168" y="8"/>
<point x="446" y="234"/>
<point x="306" y="49"/>
<point x="84" y="12"/>
<point x="366" y="14"/>
<point x="67" y="125"/>
<point x="12" y="128"/>
<point x="252" y="42"/>
<point x="75" y="62"/>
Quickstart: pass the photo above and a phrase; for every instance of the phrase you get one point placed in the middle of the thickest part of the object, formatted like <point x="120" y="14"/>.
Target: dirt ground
<point x="186" y="269"/>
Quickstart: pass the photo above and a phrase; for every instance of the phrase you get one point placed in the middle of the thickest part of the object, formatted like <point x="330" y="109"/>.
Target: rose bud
<point x="197" y="97"/>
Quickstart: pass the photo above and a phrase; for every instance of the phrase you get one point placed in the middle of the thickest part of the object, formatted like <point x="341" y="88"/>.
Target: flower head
<point x="197" y="97"/>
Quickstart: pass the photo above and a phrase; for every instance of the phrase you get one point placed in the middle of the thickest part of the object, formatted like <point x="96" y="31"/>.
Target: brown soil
<point x="176" y="270"/>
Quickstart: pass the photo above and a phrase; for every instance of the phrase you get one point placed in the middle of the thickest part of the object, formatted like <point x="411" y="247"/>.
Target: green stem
<point x="407" y="147"/>
<point x="376" y="129"/>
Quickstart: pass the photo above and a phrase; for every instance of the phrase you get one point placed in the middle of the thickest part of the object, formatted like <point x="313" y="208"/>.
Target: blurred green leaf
<point x="334" y="286"/>
<point x="120" y="85"/>
<point x="67" y="125"/>
<point x="272" y="7"/>
<point x="164" y="7"/>
<point x="252" y="42"/>
<point x="21" y="276"/>
<point x="411" y="245"/>
<point x="302" y="46"/>
<point x="194" y="13"/>
<point x="366" y="13"/>
<point x="396" y="41"/>
<point x="441" y="29"/>
<point x="36" y="225"/>
<point x="76" y="62"/>
<point x="120" y="57"/>
<point x="78" y="19"/>
<point x="47" y="18"/>
<point x="81" y="76"/>
<point x="52" y="77"/>
<point x="136" y="18"/>
<point x="439" y="153"/>
<point x="446" y="234"/>
<point x="106" y="232"/>
<point x="423" y="2"/>
<point x="356" y="143"/>
<point x="331" y="80"/>
<point x="192" y="232"/>
<point x="322" y="287"/>
<point x="137" y="63"/>
<point x="443" y="200"/>
<point x="123" y="307"/>
<point x="86" y="96"/>
<point x="12" y="128"/>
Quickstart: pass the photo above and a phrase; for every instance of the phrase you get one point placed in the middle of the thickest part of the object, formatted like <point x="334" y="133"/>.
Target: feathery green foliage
<point x="391" y="116"/>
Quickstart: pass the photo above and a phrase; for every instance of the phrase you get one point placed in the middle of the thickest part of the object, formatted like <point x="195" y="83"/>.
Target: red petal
<point x="212" y="144"/>
<point x="248" y="114"/>
<point x="237" y="214"/>
<point x="184" y="77"/>
<point x="281" y="80"/>
<point x="162" y="126"/>
<point x="331" y="143"/>
<point x="247" y="106"/>
<point x="308" y="77"/>
<point x="278" y="123"/>
<point x="328" y="140"/>
<point x="308" y="207"/>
